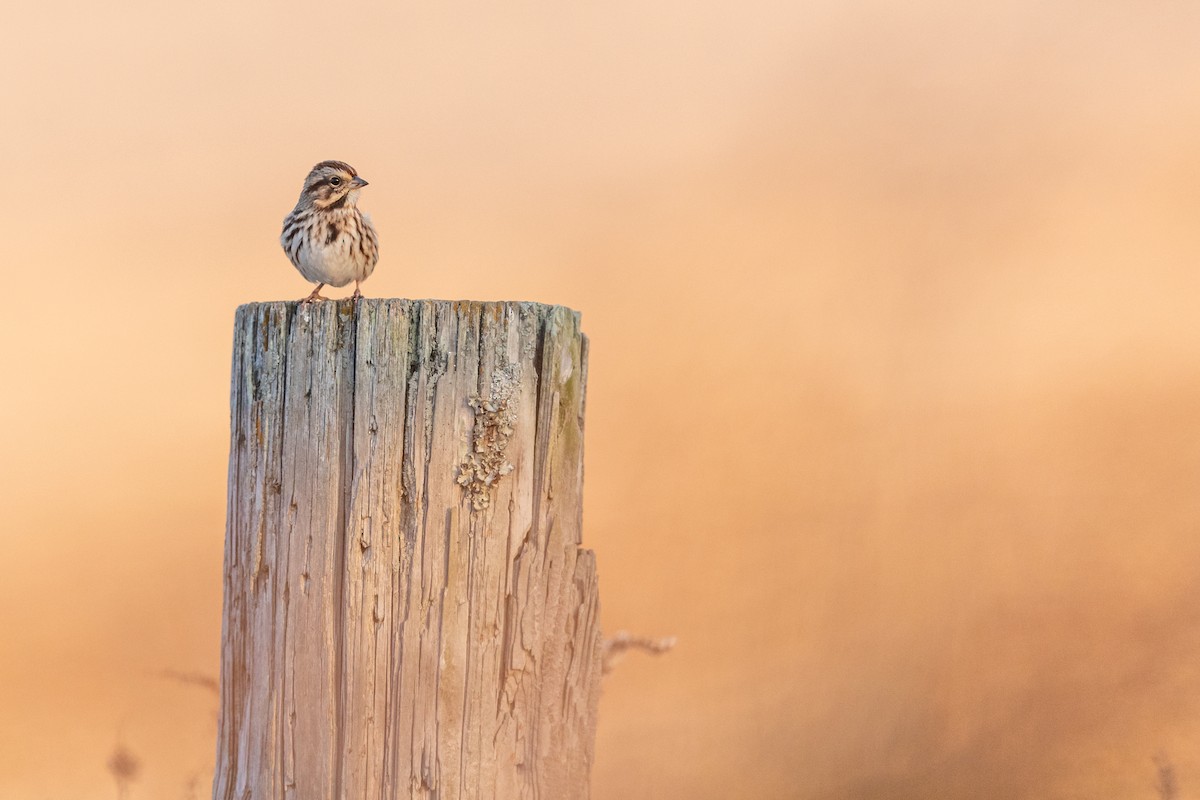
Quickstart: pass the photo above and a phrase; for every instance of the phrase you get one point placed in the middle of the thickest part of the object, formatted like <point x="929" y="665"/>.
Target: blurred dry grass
<point x="892" y="412"/>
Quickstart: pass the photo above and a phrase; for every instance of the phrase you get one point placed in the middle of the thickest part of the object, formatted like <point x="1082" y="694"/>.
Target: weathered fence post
<point x="408" y="612"/>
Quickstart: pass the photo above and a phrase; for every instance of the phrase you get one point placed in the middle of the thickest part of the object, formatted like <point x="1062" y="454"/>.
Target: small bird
<point x="326" y="237"/>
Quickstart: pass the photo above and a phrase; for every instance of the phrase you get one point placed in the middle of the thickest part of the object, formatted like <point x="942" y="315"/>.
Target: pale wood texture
<point x="408" y="612"/>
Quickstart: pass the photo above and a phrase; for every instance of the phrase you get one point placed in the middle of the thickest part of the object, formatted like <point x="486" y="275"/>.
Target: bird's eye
<point x="336" y="181"/>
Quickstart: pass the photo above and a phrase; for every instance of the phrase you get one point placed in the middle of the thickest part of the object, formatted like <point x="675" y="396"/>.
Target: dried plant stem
<point x="623" y="641"/>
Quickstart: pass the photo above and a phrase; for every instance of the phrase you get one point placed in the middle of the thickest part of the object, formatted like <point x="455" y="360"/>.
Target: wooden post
<point x="408" y="612"/>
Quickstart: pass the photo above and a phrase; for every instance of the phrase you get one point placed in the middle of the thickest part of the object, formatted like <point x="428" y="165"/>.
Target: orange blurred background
<point x="892" y="413"/>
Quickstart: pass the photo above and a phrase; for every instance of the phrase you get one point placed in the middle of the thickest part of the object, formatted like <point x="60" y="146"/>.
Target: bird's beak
<point x="358" y="183"/>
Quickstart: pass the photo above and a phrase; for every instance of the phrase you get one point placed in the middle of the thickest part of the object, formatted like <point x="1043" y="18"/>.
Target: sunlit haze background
<point x="894" y="382"/>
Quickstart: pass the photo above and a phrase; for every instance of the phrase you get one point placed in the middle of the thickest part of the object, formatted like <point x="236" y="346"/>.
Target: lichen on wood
<point x="486" y="464"/>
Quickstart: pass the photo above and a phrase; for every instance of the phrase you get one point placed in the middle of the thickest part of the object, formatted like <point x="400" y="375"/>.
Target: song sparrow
<point x="326" y="237"/>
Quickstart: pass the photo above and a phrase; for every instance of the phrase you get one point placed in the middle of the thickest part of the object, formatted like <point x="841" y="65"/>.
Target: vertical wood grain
<point x="408" y="612"/>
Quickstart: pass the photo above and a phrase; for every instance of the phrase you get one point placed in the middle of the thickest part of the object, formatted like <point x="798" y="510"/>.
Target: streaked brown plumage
<point x="326" y="237"/>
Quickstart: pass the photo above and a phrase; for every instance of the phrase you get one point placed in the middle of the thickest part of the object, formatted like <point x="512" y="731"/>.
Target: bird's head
<point x="331" y="184"/>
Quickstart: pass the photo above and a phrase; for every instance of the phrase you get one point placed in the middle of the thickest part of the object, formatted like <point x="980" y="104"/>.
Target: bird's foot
<point x="315" y="297"/>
